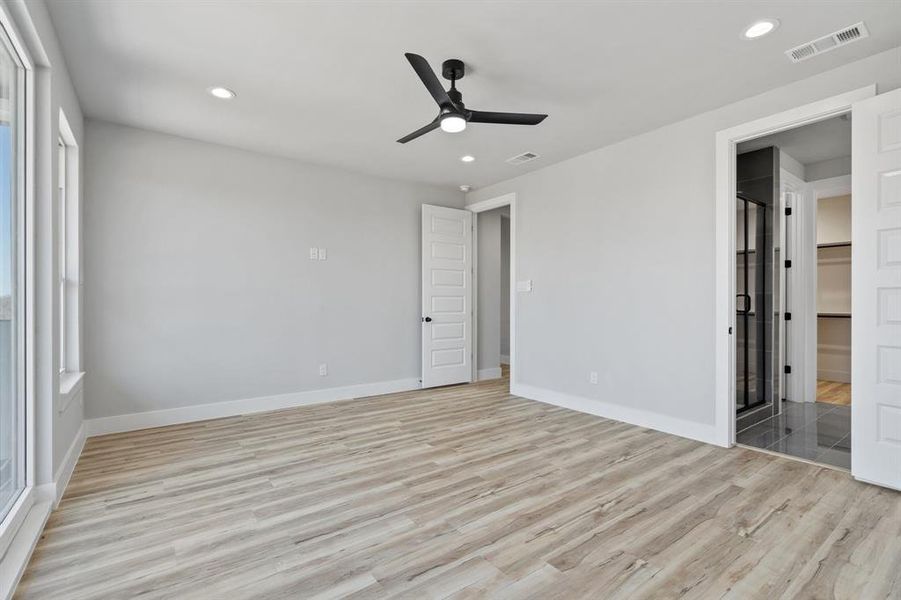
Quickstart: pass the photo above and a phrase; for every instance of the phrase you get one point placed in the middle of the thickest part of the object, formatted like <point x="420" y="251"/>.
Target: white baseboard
<point x="617" y="412"/>
<point x="64" y="472"/>
<point x="831" y="375"/>
<point x="232" y="408"/>
<point x="492" y="373"/>
<point x="505" y="359"/>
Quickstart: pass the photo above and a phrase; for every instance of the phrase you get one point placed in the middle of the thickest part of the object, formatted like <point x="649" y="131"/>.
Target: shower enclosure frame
<point x="758" y="323"/>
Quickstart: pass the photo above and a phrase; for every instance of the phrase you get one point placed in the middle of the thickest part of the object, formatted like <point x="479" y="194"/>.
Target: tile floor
<point x="814" y="431"/>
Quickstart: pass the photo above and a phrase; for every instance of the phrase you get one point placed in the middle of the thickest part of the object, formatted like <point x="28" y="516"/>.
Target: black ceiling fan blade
<point x="421" y="131"/>
<point x="505" y="118"/>
<point x="429" y="79"/>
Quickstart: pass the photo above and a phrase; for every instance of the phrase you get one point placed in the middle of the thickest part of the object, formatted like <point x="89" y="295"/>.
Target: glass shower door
<point x="750" y="286"/>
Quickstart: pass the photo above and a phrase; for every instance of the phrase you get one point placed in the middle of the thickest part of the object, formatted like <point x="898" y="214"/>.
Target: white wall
<point x="834" y="220"/>
<point x="834" y="350"/>
<point x="790" y="164"/>
<point x="826" y="169"/>
<point x="489" y="290"/>
<point x="619" y="243"/>
<point x="199" y="287"/>
<point x="834" y="289"/>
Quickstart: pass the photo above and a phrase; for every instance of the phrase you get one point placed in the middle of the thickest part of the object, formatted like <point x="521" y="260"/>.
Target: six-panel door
<point x="446" y="296"/>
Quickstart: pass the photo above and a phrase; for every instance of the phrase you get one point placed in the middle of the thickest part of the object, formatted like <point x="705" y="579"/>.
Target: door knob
<point x="427" y="319"/>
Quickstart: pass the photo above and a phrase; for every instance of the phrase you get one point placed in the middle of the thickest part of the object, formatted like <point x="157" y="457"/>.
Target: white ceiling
<point x="327" y="82"/>
<point x="809" y="144"/>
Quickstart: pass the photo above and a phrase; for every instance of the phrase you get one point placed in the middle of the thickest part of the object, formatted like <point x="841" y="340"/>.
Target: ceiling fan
<point x="453" y="115"/>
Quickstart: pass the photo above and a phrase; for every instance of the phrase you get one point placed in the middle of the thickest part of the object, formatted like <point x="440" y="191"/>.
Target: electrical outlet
<point x="314" y="253"/>
<point x="323" y="370"/>
<point x="322" y="254"/>
<point x="593" y="377"/>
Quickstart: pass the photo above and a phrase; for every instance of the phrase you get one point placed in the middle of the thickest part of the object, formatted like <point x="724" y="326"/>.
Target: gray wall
<point x="489" y="289"/>
<point x="620" y="245"/>
<point x="505" y="285"/>
<point x="199" y="286"/>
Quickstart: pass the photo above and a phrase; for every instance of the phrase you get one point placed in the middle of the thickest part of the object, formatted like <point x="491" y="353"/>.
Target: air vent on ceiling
<point x="522" y="158"/>
<point x="828" y="42"/>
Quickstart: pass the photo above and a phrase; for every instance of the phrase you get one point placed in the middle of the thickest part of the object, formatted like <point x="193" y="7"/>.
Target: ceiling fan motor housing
<point x="453" y="69"/>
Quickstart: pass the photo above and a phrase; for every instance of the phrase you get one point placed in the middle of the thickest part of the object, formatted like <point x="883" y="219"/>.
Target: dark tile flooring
<point x="811" y="430"/>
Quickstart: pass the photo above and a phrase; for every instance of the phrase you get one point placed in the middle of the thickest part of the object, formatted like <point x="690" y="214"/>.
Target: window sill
<point x="69" y="386"/>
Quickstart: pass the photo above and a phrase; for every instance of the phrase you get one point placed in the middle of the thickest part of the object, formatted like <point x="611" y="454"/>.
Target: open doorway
<point x="875" y="411"/>
<point x="468" y="301"/>
<point x="495" y="291"/>
<point x="493" y="294"/>
<point x="793" y="292"/>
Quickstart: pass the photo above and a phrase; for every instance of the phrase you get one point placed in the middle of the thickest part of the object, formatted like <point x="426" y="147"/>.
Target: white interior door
<point x="876" y="290"/>
<point x="446" y="296"/>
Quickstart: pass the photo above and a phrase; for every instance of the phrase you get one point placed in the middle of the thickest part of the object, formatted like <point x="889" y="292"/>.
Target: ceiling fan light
<point x="452" y="123"/>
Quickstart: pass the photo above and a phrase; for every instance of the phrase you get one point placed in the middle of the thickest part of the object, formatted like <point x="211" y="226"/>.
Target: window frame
<point x="11" y="522"/>
<point x="68" y="252"/>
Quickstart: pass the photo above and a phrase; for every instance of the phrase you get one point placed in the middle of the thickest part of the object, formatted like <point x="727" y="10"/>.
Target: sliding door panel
<point x="12" y="406"/>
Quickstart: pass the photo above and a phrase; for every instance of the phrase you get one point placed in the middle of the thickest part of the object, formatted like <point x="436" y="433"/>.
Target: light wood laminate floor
<point x="834" y="392"/>
<point x="460" y="492"/>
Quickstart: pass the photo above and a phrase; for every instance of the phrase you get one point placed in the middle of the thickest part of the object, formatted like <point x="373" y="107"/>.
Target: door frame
<point x="476" y="208"/>
<point x="727" y="141"/>
<point x="799" y="287"/>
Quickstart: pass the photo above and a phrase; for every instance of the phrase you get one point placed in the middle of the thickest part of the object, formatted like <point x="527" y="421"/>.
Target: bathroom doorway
<point x="793" y="292"/>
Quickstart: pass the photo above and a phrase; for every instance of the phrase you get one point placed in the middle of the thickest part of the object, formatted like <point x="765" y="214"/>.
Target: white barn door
<point x="446" y="296"/>
<point x="876" y="290"/>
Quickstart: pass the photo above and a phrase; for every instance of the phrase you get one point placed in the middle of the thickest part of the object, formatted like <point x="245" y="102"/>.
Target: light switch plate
<point x="322" y="254"/>
<point x="323" y="370"/>
<point x="524" y="286"/>
<point x="314" y="253"/>
<point x="593" y="377"/>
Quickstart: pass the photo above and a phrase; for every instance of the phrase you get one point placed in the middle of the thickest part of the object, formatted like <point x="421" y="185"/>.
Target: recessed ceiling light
<point x="467" y="158"/>
<point x="761" y="28"/>
<point x="222" y="93"/>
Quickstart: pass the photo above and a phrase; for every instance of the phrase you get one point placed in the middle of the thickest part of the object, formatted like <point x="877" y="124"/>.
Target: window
<point x="62" y="255"/>
<point x="12" y="288"/>
<point x="68" y="288"/>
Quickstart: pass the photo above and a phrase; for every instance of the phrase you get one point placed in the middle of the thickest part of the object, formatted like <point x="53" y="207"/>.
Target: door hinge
<point x="730" y="331"/>
<point x="788" y="263"/>
<point x="788" y="211"/>
<point x="787" y="370"/>
<point x="788" y="316"/>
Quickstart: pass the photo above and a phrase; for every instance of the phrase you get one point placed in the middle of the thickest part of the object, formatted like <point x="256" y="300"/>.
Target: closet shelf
<point x="834" y="245"/>
<point x="833" y="315"/>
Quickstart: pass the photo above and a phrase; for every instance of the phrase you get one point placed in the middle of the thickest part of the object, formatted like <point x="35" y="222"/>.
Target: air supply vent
<point x="522" y="158"/>
<point x="828" y="42"/>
